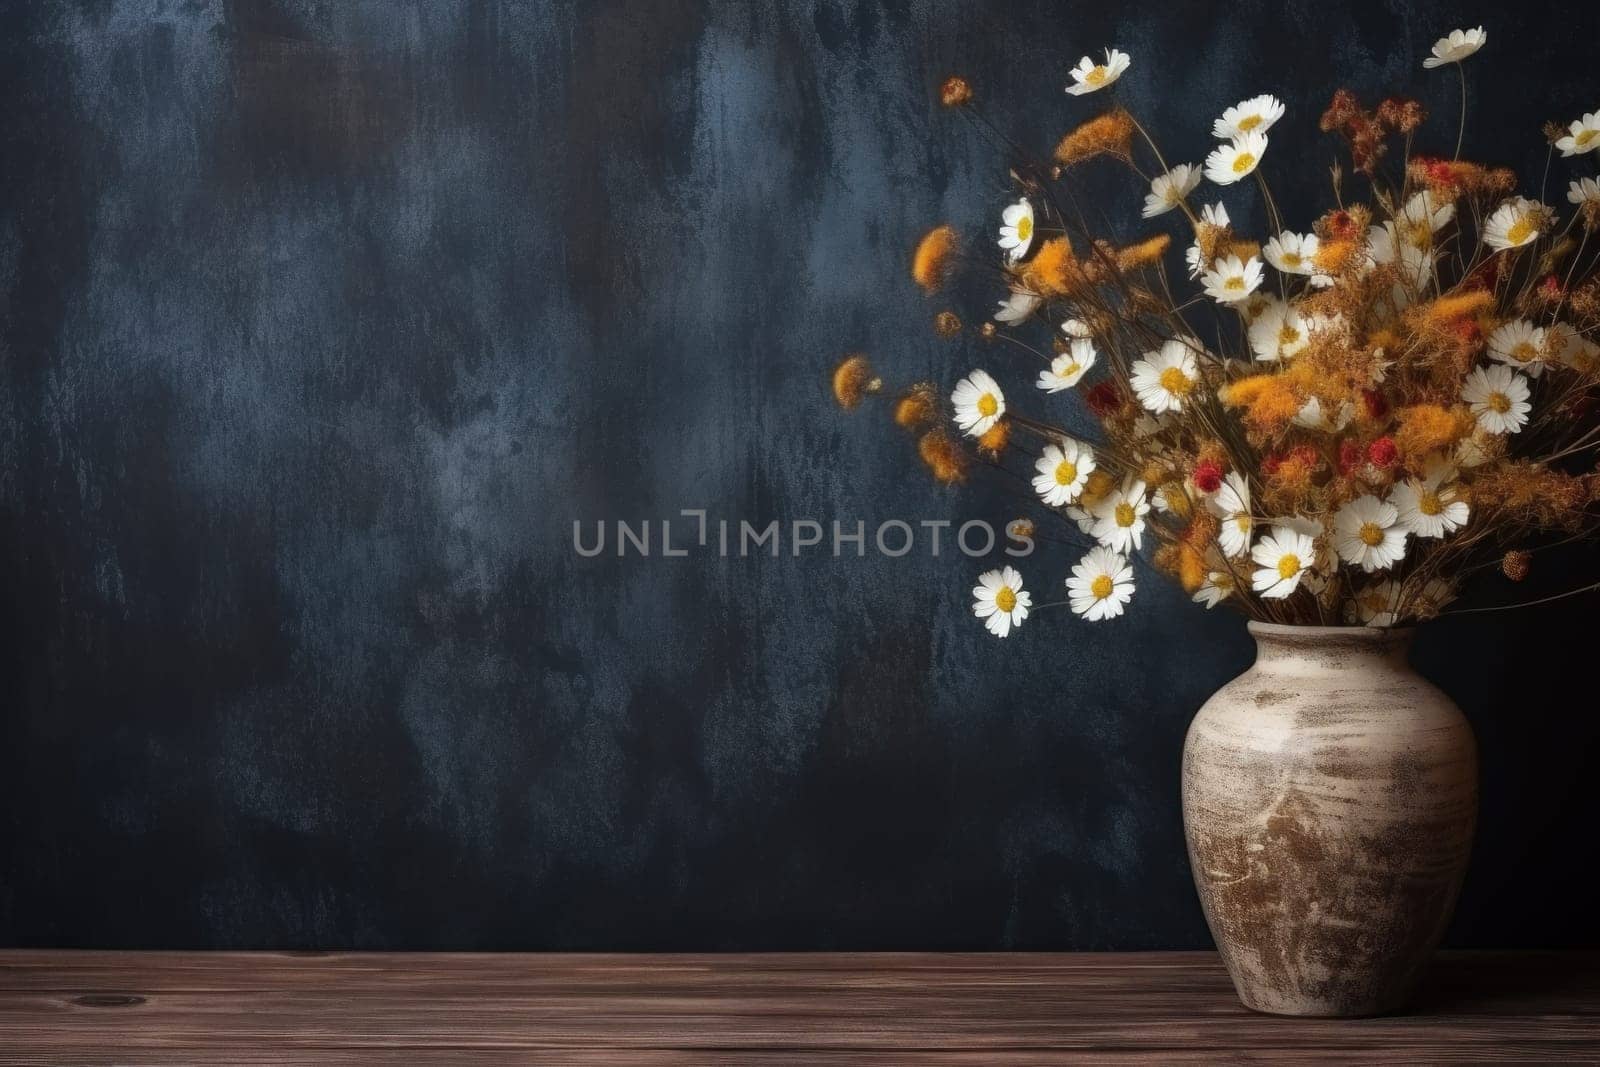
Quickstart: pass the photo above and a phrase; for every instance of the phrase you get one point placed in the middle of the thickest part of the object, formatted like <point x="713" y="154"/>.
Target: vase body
<point x="1329" y="800"/>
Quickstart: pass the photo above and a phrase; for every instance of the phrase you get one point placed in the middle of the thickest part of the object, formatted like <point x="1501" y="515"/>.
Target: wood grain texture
<point x="176" y="1009"/>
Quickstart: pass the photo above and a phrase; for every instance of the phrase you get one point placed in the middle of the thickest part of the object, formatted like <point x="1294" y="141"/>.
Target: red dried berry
<point x="1207" y="476"/>
<point x="1383" y="452"/>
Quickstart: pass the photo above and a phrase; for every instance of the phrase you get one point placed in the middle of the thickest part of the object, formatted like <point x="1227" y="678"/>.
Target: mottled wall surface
<point x="321" y="321"/>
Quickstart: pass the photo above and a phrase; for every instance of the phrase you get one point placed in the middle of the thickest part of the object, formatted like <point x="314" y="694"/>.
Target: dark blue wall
<point x="323" y="321"/>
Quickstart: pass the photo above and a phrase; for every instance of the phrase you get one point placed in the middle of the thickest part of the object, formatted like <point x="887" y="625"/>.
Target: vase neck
<point x="1329" y="649"/>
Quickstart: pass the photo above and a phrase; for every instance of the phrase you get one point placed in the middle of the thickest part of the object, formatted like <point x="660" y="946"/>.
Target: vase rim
<point x="1375" y="633"/>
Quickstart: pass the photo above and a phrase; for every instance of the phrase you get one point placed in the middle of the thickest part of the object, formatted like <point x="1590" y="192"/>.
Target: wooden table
<point x="178" y="1008"/>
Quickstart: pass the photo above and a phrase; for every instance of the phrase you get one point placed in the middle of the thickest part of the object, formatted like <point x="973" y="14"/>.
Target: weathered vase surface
<point x="1329" y="800"/>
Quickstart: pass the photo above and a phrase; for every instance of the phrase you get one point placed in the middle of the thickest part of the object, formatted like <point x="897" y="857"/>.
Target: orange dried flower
<point x="1191" y="567"/>
<point x="918" y="406"/>
<point x="944" y="457"/>
<point x="955" y="92"/>
<point x="1144" y="253"/>
<point x="931" y="264"/>
<point x="994" y="440"/>
<point x="1269" y="400"/>
<point x="1423" y="430"/>
<point x="1099" y="483"/>
<point x="947" y="324"/>
<point x="1053" y="271"/>
<point x="1446" y="309"/>
<point x="1333" y="257"/>
<point x="1108" y="134"/>
<point x="853" y="379"/>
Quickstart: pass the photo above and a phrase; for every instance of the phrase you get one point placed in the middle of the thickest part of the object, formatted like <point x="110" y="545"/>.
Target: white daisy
<point x="1255" y="305"/>
<point x="1119" y="518"/>
<point x="1292" y="253"/>
<point x="1385" y="245"/>
<point x="1255" y="115"/>
<point x="1283" y="557"/>
<point x="1376" y="604"/>
<point x="1237" y="159"/>
<point x="1089" y="76"/>
<point x="1163" y="378"/>
<point x="1514" y="223"/>
<point x="1429" y="507"/>
<point x="1434" y="597"/>
<point x="1168" y="190"/>
<point x="1456" y="47"/>
<point x="1498" y="396"/>
<point x="1000" y="600"/>
<point x="979" y="403"/>
<point x="1231" y="505"/>
<point x="1018" y="306"/>
<point x="1314" y="415"/>
<point x="1279" y="332"/>
<point x="1571" y="349"/>
<point x="1076" y="328"/>
<point x="1323" y="558"/>
<point x="1422" y="217"/>
<point x="1063" y="470"/>
<point x="1016" y="229"/>
<point x="1210" y="215"/>
<point x="1229" y="280"/>
<point x="1101" y="583"/>
<point x="1217" y="586"/>
<point x="1584" y="191"/>
<point x="1367" y="532"/>
<point x="1084" y="518"/>
<point x="1519" y="344"/>
<point x="1582" y="136"/>
<point x="1067" y="368"/>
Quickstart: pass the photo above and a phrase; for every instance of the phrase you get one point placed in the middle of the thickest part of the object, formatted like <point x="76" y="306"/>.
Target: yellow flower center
<point x="1429" y="504"/>
<point x="1288" y="335"/>
<point x="1522" y="231"/>
<point x="1101" y="587"/>
<point x="1097" y="76"/>
<point x="1024" y="228"/>
<point x="1248" y="123"/>
<point x="1524" y="352"/>
<point x="1584" y="137"/>
<point x="1289" y="565"/>
<point x="1371" y="534"/>
<point x="1291" y="259"/>
<point x="1235" y="283"/>
<point x="1242" y="522"/>
<point x="988" y="405"/>
<point x="1005" y="599"/>
<point x="1174" y="381"/>
<point x="1421" y="234"/>
<point x="1243" y="162"/>
<point x="1066" y="472"/>
<point x="1126" y="515"/>
<point x="1498" y="402"/>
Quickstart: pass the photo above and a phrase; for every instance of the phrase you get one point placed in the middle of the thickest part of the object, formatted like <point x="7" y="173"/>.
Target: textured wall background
<point x="322" y="321"/>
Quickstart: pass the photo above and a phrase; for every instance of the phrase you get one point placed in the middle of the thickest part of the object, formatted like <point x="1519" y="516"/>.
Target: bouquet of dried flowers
<point x="1375" y="408"/>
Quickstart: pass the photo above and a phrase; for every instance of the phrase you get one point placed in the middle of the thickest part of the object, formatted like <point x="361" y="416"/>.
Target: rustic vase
<point x="1329" y="800"/>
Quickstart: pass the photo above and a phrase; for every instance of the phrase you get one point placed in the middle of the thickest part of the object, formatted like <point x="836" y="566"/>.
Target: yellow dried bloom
<point x="1100" y="483"/>
<point x="853" y="379"/>
<point x="1108" y="134"/>
<point x="955" y="91"/>
<point x="944" y="457"/>
<point x="993" y="442"/>
<point x="918" y="407"/>
<point x="931" y="264"/>
<point x="946" y="324"/>
<point x="1447" y="309"/>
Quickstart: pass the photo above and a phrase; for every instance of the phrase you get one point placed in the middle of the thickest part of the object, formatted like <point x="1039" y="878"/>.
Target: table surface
<point x="180" y="1008"/>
